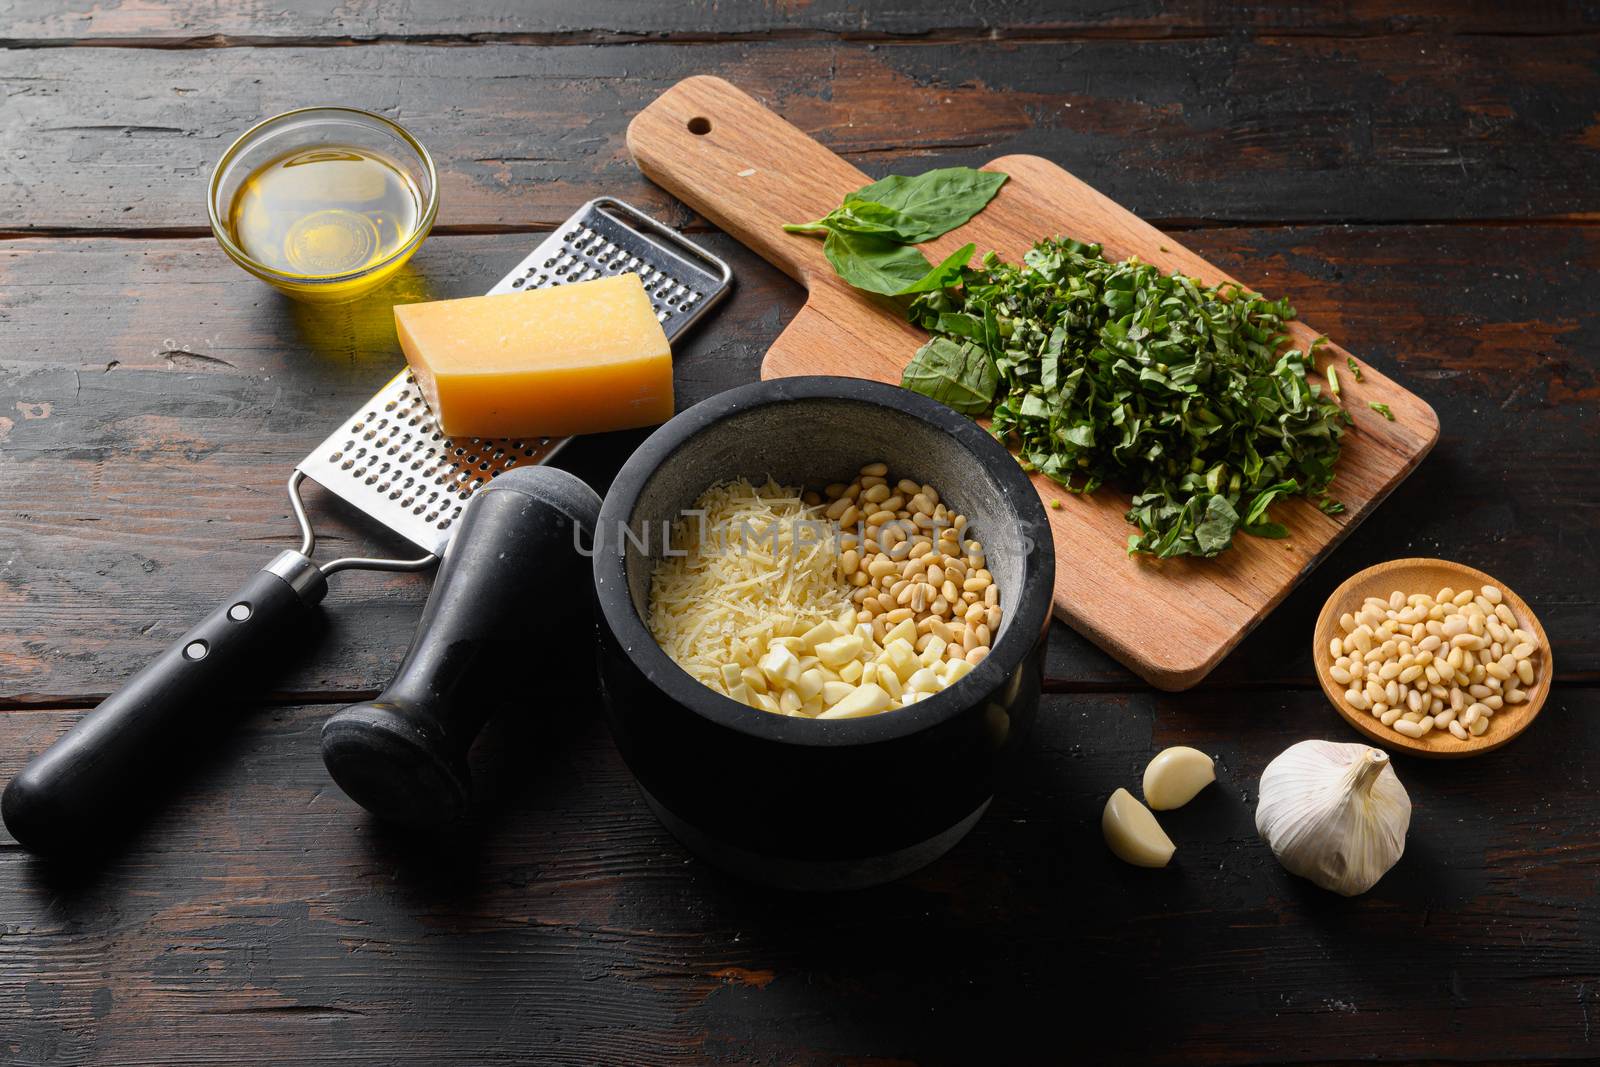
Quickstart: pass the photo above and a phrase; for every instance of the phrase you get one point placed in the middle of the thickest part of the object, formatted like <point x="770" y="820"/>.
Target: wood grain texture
<point x="165" y="425"/>
<point x="52" y="22"/>
<point x="1183" y="132"/>
<point x="261" y="911"/>
<point x="1170" y="622"/>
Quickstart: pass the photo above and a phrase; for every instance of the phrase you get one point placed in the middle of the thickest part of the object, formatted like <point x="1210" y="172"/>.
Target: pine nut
<point x="1422" y="662"/>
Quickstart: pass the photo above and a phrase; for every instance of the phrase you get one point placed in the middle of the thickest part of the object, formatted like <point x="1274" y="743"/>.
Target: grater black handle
<point x="511" y="596"/>
<point x="82" y="787"/>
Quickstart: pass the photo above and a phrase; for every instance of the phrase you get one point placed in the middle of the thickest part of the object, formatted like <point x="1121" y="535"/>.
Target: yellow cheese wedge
<point x="579" y="358"/>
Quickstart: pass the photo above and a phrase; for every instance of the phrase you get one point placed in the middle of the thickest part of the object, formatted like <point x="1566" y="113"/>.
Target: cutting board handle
<point x="725" y="155"/>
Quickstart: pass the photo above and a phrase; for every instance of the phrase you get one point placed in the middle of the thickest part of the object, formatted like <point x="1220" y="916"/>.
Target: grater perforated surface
<point x="390" y="459"/>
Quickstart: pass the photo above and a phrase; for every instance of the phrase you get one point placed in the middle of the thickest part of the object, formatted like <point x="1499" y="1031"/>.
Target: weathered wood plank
<point x="261" y="910"/>
<point x="1227" y="128"/>
<point x="165" y="469"/>
<point x="45" y="21"/>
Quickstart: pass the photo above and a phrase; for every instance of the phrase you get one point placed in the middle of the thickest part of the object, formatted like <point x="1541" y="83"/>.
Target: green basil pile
<point x="1097" y="373"/>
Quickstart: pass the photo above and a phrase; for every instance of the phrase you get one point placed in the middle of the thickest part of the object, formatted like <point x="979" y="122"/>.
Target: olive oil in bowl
<point x="324" y="204"/>
<point x="324" y="211"/>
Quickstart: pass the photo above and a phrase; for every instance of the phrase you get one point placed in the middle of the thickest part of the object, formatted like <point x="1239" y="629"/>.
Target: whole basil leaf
<point x="934" y="202"/>
<point x="961" y="376"/>
<point x="861" y="217"/>
<point x="876" y="264"/>
<point x="946" y="274"/>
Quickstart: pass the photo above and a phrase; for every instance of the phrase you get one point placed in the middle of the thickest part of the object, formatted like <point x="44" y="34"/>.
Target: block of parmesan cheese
<point x="573" y="359"/>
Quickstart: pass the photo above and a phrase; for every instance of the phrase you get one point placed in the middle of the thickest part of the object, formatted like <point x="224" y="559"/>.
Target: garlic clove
<point x="1335" y="814"/>
<point x="1133" y="833"/>
<point x="1174" y="777"/>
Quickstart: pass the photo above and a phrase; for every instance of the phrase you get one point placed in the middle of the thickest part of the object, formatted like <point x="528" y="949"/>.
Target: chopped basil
<point x="958" y="374"/>
<point x="1115" y="373"/>
<point x="1097" y="372"/>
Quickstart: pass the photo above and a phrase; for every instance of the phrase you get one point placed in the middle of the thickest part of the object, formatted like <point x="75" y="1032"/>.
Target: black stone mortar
<point x="804" y="803"/>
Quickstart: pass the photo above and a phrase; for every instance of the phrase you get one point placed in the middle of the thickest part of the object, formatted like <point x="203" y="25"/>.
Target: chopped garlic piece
<point x="780" y="665"/>
<point x="840" y="650"/>
<point x="868" y="699"/>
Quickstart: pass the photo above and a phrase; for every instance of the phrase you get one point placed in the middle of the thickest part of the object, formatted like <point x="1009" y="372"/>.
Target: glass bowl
<point x="309" y="127"/>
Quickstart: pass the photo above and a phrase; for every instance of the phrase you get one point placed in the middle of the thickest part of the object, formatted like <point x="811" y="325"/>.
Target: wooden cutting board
<point x="1171" y="621"/>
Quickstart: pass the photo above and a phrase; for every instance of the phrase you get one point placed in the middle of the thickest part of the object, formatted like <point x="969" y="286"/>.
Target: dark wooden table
<point x="1423" y="183"/>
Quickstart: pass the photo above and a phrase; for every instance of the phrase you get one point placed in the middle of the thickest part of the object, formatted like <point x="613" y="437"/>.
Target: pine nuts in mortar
<point x="1448" y="662"/>
<point x="901" y="606"/>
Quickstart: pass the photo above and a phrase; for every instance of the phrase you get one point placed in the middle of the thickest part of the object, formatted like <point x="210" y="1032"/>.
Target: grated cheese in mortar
<point x="759" y="561"/>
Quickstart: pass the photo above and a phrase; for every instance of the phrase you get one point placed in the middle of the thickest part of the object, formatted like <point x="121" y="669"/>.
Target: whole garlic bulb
<point x="1334" y="813"/>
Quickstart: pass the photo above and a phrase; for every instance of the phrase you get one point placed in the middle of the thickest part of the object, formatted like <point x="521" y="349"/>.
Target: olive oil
<point x="325" y="211"/>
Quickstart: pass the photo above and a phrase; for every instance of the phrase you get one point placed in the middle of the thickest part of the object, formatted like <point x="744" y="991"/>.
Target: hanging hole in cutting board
<point x="699" y="126"/>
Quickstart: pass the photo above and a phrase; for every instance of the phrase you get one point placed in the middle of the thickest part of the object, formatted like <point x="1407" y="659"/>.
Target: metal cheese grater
<point x="390" y="461"/>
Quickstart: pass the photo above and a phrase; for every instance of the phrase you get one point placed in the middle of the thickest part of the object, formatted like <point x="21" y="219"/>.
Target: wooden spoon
<point x="1429" y="576"/>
